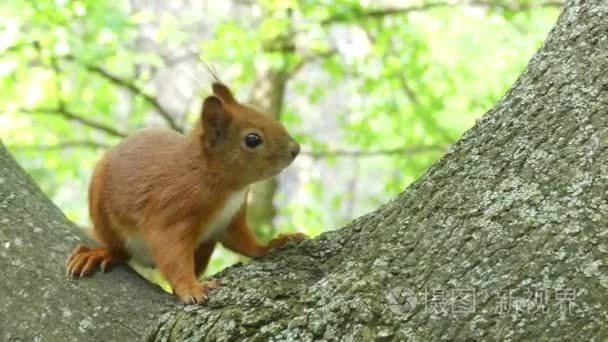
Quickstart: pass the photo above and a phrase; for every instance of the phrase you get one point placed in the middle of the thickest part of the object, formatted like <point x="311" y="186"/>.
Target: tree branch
<point x="380" y="13"/>
<point x="311" y="58"/>
<point x="374" y="153"/>
<point x="63" y="145"/>
<point x="69" y="115"/>
<point x="131" y="87"/>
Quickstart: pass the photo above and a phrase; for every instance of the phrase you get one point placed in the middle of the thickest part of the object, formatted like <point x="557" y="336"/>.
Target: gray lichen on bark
<point x="517" y="207"/>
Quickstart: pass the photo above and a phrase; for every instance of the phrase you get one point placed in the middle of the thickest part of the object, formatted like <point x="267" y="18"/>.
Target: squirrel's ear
<point x="223" y="92"/>
<point x="215" y="120"/>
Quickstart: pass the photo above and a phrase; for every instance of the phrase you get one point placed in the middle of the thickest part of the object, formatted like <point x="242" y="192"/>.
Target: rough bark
<point x="518" y="204"/>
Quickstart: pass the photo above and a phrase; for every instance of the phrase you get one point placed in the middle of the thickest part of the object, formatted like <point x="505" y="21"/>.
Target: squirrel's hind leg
<point x="85" y="259"/>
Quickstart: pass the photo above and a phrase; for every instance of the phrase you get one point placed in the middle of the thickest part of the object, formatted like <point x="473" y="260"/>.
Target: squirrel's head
<point x="253" y="145"/>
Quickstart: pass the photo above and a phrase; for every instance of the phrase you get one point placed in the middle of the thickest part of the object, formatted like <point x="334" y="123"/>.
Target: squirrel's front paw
<point x="197" y="292"/>
<point x="285" y="238"/>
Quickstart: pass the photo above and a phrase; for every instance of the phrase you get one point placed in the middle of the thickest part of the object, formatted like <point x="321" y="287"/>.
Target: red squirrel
<point x="165" y="199"/>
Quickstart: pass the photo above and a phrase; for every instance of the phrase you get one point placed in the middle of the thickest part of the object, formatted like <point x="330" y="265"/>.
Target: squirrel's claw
<point x="197" y="293"/>
<point x="283" y="239"/>
<point x="84" y="260"/>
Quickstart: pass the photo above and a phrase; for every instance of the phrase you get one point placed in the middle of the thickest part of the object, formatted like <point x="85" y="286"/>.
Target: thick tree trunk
<point x="517" y="209"/>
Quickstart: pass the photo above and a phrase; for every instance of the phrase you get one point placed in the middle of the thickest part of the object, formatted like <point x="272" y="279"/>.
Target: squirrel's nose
<point x="294" y="149"/>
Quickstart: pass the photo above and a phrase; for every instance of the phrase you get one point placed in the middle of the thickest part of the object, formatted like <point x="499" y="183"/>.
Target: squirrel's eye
<point x="253" y="140"/>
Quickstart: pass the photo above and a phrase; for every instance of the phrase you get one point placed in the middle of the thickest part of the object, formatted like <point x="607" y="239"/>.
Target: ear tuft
<point x="215" y="120"/>
<point x="212" y="103"/>
<point x="223" y="92"/>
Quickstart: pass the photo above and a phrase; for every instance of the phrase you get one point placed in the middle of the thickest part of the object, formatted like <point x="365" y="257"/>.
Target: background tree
<point x="516" y="206"/>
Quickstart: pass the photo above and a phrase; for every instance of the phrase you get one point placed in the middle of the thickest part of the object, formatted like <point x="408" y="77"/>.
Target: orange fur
<point x="166" y="198"/>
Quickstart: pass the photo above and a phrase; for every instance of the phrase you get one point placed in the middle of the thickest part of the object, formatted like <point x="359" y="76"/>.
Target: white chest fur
<point x="224" y="216"/>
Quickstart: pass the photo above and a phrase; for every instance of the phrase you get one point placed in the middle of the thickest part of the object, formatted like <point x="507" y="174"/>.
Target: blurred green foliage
<point x="413" y="80"/>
